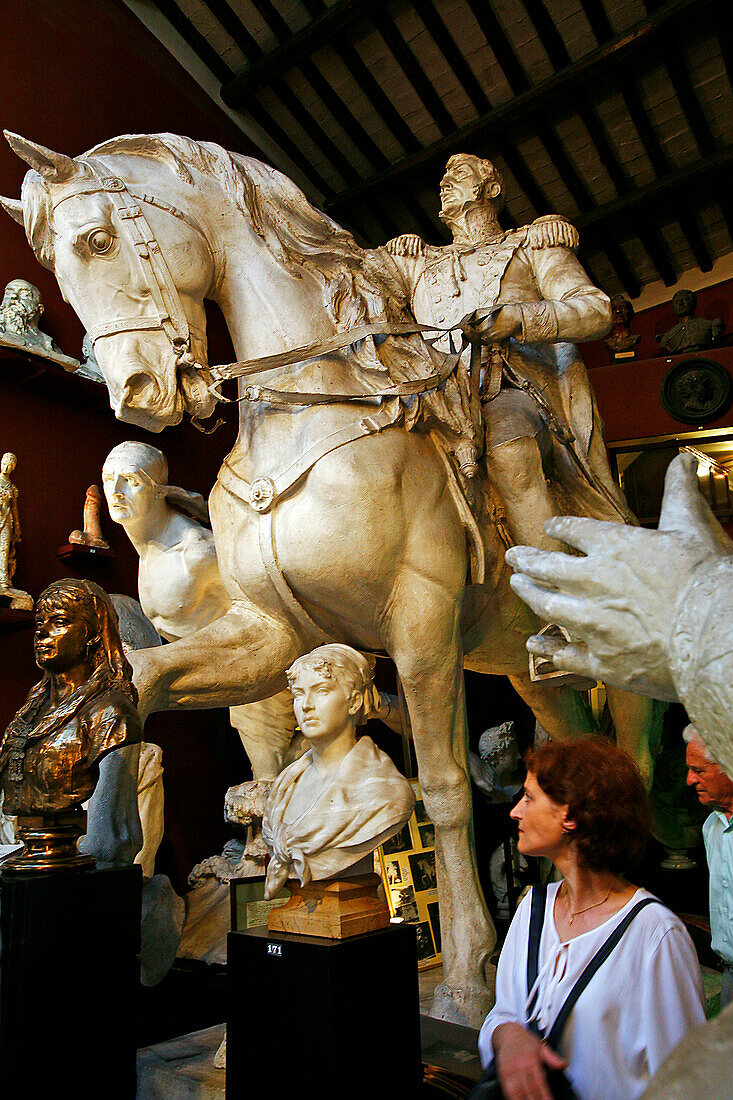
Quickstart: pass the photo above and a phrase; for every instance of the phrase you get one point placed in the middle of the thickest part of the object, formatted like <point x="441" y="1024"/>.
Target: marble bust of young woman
<point x="344" y="797"/>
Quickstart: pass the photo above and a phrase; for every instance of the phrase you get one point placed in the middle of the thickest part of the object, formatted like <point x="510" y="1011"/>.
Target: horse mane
<point x="359" y="286"/>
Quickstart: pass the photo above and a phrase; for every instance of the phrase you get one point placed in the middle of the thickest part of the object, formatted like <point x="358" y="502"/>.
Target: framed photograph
<point x="422" y="870"/>
<point x="407" y="865"/>
<point x="248" y="906"/>
<point x="400" y="842"/>
<point x="404" y="904"/>
<point x="394" y="872"/>
<point x="425" y="945"/>
<point x="421" y="814"/>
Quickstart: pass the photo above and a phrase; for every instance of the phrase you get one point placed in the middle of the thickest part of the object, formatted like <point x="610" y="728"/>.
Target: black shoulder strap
<point x="553" y="1036"/>
<point x="536" y="921"/>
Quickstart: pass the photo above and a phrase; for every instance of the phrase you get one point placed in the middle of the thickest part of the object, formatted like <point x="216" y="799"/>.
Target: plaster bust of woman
<point x="344" y="797"/>
<point x="82" y="709"/>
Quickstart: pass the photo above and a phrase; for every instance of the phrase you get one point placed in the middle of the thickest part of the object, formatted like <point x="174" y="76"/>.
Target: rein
<point x="170" y="316"/>
<point x="317" y="348"/>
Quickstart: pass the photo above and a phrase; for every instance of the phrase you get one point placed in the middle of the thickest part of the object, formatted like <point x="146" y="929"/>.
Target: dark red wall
<point x="74" y="74"/>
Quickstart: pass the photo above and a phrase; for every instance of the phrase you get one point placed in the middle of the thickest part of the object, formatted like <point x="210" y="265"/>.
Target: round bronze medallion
<point x="696" y="391"/>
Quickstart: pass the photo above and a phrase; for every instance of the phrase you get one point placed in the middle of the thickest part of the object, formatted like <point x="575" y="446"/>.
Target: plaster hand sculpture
<point x="344" y="797"/>
<point x="338" y="513"/>
<point x="497" y="769"/>
<point x="621" y="340"/>
<point x="691" y="333"/>
<point x="10" y="535"/>
<point x="76" y="717"/>
<point x="646" y="610"/>
<point x="91" y="535"/>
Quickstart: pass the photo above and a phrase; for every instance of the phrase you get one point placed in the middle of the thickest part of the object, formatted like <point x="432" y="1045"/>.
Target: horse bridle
<point x="170" y="317"/>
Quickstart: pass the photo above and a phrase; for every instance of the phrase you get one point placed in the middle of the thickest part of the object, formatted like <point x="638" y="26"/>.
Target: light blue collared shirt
<point x="718" y="836"/>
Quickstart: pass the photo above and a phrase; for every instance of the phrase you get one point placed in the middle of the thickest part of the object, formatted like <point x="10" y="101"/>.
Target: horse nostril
<point x="141" y="388"/>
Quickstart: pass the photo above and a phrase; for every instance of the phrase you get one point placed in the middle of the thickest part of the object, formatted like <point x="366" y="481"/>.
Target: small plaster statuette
<point x="10" y="535"/>
<point x="92" y="533"/>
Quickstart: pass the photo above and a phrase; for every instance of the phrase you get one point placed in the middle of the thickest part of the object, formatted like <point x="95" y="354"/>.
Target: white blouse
<point x="635" y="1010"/>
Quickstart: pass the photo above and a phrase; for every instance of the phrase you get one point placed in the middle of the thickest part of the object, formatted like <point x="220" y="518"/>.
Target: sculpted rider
<point x="540" y="419"/>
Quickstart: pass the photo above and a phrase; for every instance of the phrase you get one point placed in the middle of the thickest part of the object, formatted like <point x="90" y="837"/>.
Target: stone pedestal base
<point x="69" y="983"/>
<point x="334" y="909"/>
<point x="323" y="1019"/>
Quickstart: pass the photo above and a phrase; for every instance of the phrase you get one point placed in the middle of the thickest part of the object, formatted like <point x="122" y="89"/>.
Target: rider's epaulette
<point x="552" y="231"/>
<point x="409" y="244"/>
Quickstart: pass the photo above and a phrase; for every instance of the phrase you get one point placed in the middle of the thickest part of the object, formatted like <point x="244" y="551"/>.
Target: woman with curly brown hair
<point x="584" y="808"/>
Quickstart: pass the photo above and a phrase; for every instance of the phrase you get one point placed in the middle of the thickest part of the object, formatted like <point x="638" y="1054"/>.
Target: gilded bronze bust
<point x="82" y="709"/>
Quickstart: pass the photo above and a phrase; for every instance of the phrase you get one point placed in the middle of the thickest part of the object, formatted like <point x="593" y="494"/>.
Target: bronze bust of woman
<point x="82" y="709"/>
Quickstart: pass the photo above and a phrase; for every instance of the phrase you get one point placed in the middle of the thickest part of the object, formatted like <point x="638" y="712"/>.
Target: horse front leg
<point x="236" y="659"/>
<point x="638" y="721"/>
<point x="432" y="681"/>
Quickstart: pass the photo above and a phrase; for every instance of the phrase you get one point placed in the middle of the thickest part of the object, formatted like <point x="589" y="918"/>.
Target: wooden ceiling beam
<point x="499" y="45"/>
<point x="538" y="97"/>
<point x="293" y="50"/>
<point x="703" y="172"/>
<point x="454" y="57"/>
<point x="194" y="39"/>
<point x="598" y="19"/>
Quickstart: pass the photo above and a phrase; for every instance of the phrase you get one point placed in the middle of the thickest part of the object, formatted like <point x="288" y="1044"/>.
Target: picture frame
<point x="248" y="906"/>
<point x="407" y="865"/>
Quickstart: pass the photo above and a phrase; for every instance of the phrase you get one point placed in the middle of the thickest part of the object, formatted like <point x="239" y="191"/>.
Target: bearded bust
<point x="20" y="314"/>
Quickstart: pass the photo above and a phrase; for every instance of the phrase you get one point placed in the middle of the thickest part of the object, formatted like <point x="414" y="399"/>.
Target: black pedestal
<point x="68" y="983"/>
<point x="323" y="1019"/>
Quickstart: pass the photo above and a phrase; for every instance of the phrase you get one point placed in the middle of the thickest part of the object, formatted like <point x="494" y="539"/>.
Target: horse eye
<point x="100" y="241"/>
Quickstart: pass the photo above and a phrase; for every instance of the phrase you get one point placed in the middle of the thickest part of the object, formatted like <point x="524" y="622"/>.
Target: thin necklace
<point x="576" y="913"/>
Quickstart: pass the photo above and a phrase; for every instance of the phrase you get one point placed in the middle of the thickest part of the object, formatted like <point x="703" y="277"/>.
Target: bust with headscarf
<point x="344" y="797"/>
<point x="82" y="709"/>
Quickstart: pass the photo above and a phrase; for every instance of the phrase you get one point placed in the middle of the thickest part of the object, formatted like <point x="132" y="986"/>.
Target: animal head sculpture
<point x="130" y="266"/>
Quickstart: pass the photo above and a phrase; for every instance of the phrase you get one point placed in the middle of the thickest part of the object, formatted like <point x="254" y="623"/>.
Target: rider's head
<point x="469" y="181"/>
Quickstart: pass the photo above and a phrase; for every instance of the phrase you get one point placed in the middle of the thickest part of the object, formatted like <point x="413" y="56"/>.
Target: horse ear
<point x="14" y="207"/>
<point x="54" y="167"/>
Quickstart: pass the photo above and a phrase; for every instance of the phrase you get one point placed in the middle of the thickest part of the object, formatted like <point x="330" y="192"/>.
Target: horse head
<point x="135" y="269"/>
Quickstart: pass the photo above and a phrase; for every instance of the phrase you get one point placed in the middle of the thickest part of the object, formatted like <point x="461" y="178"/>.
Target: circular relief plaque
<point x="696" y="390"/>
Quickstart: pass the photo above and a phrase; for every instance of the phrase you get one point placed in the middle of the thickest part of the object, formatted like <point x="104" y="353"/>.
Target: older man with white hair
<point x="715" y="789"/>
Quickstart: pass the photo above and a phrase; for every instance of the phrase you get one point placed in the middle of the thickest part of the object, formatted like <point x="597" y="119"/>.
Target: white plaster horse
<point x="329" y="523"/>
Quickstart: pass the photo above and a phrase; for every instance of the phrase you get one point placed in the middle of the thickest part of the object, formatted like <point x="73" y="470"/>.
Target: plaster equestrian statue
<point x="341" y="513"/>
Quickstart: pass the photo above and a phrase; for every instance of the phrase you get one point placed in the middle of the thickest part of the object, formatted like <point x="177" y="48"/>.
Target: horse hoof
<point x="468" y="1006"/>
